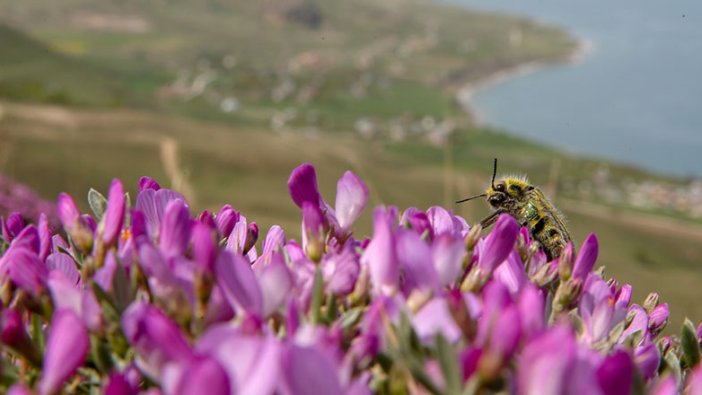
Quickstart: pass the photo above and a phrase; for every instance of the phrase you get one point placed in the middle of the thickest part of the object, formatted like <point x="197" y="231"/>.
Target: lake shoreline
<point x="464" y="95"/>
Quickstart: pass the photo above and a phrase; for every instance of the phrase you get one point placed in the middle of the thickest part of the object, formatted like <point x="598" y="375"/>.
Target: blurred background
<point x="598" y="103"/>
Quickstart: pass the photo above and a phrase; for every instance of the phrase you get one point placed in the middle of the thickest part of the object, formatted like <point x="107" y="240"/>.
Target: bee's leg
<point x="492" y="218"/>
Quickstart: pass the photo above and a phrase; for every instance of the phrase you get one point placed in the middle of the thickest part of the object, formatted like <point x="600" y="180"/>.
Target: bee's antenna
<point x="494" y="173"/>
<point x="471" y="198"/>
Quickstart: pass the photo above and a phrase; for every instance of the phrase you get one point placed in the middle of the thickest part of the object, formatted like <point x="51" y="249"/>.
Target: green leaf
<point x="97" y="203"/>
<point x="689" y="344"/>
<point x="449" y="365"/>
<point x="673" y="365"/>
<point x="351" y="317"/>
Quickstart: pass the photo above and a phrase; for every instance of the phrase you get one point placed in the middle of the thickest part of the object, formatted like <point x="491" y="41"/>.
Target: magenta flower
<point x="256" y="367"/>
<point x="45" y="243"/>
<point x="153" y="204"/>
<point x="586" y="257"/>
<point x="204" y="246"/>
<point x="413" y="255"/>
<point x="13" y="334"/>
<point x="302" y="185"/>
<point x="314" y="230"/>
<point x="341" y="270"/>
<point x="66" y="348"/>
<point x="647" y="359"/>
<point x="435" y="318"/>
<point x="19" y="389"/>
<point x="380" y="255"/>
<point x="226" y="219"/>
<point x="308" y="370"/>
<point x="25" y="270"/>
<point x="156" y="338"/>
<point x="616" y="374"/>
<point x="276" y="281"/>
<point x="117" y="384"/>
<point x="238" y="283"/>
<point x="351" y="199"/>
<point x="175" y="229"/>
<point x="203" y="375"/>
<point x="511" y="273"/>
<point x="530" y="303"/>
<point x="148" y="183"/>
<point x="498" y="244"/>
<point x="28" y="238"/>
<point x="418" y="221"/>
<point x="658" y="317"/>
<point x="68" y="212"/>
<point x="694" y="381"/>
<point x="448" y="253"/>
<point x="12" y="226"/>
<point x="114" y="216"/>
<point x="546" y="363"/>
<point x="274" y="241"/>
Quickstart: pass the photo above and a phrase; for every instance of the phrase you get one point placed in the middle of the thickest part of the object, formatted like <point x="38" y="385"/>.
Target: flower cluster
<point x="19" y="203"/>
<point x="150" y="299"/>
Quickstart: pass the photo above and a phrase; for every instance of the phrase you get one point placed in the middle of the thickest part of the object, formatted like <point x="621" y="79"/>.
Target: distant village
<point x="685" y="199"/>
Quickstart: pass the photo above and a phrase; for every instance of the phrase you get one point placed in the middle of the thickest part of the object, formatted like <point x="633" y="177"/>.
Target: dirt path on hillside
<point x="169" y="159"/>
<point x="656" y="223"/>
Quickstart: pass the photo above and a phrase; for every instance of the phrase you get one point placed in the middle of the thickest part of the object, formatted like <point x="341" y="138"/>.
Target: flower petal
<point x="114" y="216"/>
<point x="308" y="370"/>
<point x="351" y="199"/>
<point x="302" y="185"/>
<point x="238" y="282"/>
<point x="66" y="349"/>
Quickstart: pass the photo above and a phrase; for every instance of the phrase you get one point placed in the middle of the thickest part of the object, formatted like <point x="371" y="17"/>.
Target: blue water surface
<point x="636" y="97"/>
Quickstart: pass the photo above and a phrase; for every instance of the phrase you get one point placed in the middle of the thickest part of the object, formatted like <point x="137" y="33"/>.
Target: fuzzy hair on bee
<point x="514" y="195"/>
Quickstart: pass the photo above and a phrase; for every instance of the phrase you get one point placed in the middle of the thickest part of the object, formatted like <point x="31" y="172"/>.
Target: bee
<point x="530" y="207"/>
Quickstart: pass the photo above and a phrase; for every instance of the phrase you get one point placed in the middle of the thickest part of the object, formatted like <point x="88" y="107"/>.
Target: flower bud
<point x="473" y="237"/>
<point x="651" y="301"/>
<point x="658" y="318"/>
<point x="251" y="236"/>
<point x="586" y="257"/>
<point x="226" y="219"/>
<point x="566" y="294"/>
<point x="565" y="263"/>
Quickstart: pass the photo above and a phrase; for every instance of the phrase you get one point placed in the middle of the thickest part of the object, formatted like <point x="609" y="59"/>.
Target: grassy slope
<point x="414" y="54"/>
<point x="248" y="168"/>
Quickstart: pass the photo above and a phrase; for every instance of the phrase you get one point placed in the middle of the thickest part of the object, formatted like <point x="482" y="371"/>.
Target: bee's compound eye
<point x="500" y="187"/>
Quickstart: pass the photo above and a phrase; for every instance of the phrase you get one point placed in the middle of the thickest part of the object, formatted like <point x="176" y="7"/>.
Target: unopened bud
<point x="651" y="301"/>
<point x="473" y="237"/>
<point x="251" y="236"/>
<point x="566" y="294"/>
<point x="474" y="281"/>
<point x="545" y="275"/>
<point x="565" y="263"/>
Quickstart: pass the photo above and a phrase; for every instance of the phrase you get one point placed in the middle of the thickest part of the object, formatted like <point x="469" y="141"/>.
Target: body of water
<point x="635" y="97"/>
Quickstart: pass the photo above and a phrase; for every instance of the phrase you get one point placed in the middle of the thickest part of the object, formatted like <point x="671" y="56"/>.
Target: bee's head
<point x="496" y="194"/>
<point x="506" y="191"/>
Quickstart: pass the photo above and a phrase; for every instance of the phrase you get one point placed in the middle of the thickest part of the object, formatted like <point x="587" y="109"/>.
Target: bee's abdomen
<point x="547" y="232"/>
